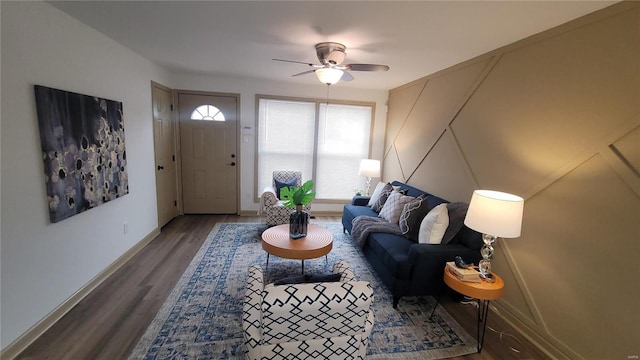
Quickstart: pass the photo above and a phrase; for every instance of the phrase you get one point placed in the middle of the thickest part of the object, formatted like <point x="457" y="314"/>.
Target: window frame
<point x="318" y="102"/>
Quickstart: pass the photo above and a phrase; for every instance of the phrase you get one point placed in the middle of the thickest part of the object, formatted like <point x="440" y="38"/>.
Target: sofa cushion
<point x="393" y="251"/>
<point x="393" y="207"/>
<point x="434" y="225"/>
<point x="384" y="194"/>
<point x="412" y="215"/>
<point x="350" y="212"/>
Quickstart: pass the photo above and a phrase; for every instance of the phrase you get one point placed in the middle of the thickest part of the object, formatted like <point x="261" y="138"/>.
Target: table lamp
<point x="369" y="168"/>
<point x="494" y="214"/>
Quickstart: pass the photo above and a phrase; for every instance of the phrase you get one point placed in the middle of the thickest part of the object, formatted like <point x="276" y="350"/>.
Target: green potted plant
<point x="297" y="197"/>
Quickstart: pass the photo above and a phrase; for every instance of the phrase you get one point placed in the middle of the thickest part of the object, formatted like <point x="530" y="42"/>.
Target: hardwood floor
<point x="108" y="323"/>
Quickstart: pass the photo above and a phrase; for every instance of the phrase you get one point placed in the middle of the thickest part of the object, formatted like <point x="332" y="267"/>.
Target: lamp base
<point x="488" y="278"/>
<point x="366" y="191"/>
<point x="484" y="266"/>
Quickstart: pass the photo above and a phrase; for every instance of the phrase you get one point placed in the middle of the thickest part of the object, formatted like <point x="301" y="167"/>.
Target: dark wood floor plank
<point x="108" y="322"/>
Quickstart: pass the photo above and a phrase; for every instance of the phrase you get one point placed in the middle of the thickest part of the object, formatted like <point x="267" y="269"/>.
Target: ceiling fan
<point x="330" y="70"/>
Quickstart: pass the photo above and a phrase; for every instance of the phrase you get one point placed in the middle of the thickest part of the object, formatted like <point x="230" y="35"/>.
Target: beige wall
<point x="554" y="118"/>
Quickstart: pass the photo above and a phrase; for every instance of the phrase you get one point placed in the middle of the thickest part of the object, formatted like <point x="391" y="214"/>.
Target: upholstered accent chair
<point x="328" y="320"/>
<point x="270" y="204"/>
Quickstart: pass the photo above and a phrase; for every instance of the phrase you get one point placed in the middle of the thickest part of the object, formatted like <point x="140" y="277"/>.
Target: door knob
<point x="232" y="163"/>
<point x="160" y="167"/>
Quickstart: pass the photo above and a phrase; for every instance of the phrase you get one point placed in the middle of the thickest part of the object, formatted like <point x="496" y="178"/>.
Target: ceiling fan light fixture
<point x="329" y="76"/>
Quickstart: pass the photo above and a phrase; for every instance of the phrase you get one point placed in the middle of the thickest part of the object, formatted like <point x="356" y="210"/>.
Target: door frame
<point x="178" y="134"/>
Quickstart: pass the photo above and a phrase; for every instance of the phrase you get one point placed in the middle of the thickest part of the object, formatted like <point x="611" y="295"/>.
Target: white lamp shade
<point x="495" y="213"/>
<point x="329" y="76"/>
<point x="369" y="168"/>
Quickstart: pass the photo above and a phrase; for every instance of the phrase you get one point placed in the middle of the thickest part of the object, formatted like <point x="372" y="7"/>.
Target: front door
<point x="208" y="140"/>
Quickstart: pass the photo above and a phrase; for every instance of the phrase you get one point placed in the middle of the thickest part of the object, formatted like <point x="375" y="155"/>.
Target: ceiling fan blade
<point x="303" y="73"/>
<point x="346" y="76"/>
<point x="367" y="67"/>
<point x="294" y="61"/>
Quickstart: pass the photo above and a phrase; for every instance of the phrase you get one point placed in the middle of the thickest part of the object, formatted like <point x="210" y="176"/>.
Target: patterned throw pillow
<point x="393" y="206"/>
<point x="434" y="225"/>
<point x="412" y="215"/>
<point x="281" y="184"/>
<point x="384" y="194"/>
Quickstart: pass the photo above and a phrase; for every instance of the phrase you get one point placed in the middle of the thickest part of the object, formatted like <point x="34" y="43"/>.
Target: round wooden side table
<point x="317" y="243"/>
<point x="482" y="291"/>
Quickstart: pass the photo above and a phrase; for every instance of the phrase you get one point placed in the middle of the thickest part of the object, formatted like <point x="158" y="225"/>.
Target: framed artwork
<point x="82" y="139"/>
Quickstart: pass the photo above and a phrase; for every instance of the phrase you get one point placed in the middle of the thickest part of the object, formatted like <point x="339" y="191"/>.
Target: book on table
<point x="469" y="274"/>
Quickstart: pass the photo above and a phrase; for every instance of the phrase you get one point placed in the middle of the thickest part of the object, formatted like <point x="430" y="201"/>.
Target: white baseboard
<point x="21" y="343"/>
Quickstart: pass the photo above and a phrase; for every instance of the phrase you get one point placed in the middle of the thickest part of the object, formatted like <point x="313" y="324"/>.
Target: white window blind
<point x="343" y="139"/>
<point x="287" y="140"/>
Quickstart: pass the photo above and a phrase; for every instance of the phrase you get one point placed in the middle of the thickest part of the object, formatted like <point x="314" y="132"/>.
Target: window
<point x="207" y="113"/>
<point x="325" y="142"/>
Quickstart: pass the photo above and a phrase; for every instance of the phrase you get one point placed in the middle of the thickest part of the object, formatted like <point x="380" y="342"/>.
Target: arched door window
<point x="208" y="113"/>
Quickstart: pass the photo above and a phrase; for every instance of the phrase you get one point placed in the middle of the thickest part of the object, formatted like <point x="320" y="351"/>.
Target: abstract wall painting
<point x="85" y="161"/>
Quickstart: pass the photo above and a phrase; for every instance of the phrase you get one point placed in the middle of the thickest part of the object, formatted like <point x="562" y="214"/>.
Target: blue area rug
<point x="202" y="317"/>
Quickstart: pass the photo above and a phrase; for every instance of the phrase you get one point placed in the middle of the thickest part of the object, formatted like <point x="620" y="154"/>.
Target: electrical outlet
<point x="125" y="227"/>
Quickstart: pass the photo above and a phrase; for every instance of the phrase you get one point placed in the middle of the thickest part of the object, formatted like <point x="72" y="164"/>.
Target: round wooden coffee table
<point x="317" y="243"/>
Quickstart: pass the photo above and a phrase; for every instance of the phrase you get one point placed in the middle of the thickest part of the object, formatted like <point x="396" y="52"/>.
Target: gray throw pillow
<point x="384" y="194"/>
<point x="457" y="211"/>
<point x="412" y="216"/>
<point x="394" y="206"/>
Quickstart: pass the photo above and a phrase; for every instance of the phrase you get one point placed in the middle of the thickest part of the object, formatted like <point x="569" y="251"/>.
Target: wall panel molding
<point x="400" y="104"/>
<point x="554" y="118"/>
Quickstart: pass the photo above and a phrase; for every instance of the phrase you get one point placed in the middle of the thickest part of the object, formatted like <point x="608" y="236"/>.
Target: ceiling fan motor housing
<point x="331" y="52"/>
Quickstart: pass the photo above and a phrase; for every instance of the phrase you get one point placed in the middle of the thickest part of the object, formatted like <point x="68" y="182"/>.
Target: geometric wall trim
<point x="578" y="85"/>
<point x="399" y="108"/>
<point x="433" y="110"/>
<point x="391" y="167"/>
<point x="628" y="150"/>
<point x="554" y="118"/>
<point x="452" y="181"/>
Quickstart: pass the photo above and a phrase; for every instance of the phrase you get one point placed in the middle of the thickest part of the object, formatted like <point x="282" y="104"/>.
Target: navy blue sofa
<point x="408" y="268"/>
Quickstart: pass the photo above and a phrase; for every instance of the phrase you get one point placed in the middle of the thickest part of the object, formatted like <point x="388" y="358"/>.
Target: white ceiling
<point x="239" y="38"/>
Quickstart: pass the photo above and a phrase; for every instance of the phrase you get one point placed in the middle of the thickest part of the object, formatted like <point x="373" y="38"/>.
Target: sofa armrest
<point x="341" y="267"/>
<point x="360" y="200"/>
<point x="252" y="310"/>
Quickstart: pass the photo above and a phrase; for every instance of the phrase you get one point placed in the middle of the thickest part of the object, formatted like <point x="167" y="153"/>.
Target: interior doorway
<point x="165" y="150"/>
